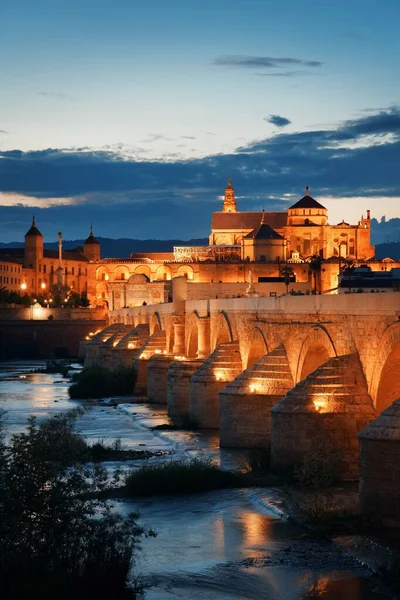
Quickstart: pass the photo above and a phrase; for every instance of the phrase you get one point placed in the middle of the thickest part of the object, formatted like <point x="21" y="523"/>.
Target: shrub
<point x="258" y="460"/>
<point x="97" y="382"/>
<point x="57" y="539"/>
<point x="181" y="477"/>
<point x="312" y="497"/>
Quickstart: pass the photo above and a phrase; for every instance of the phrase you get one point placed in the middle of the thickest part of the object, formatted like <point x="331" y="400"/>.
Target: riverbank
<point x="223" y="545"/>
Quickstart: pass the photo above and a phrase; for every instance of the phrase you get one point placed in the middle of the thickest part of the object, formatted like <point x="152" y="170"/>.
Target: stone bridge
<point x="265" y="371"/>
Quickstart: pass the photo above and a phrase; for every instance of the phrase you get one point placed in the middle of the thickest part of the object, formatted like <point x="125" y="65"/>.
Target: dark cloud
<point x="156" y="137"/>
<point x="263" y="62"/>
<point x="55" y="95"/>
<point x="278" y="121"/>
<point x="4" y="131"/>
<point x="175" y="198"/>
<point x="290" y="74"/>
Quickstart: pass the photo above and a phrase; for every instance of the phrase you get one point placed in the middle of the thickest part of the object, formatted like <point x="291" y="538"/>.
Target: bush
<point x="181" y="477"/>
<point x="57" y="539"/>
<point x="312" y="495"/>
<point x="258" y="460"/>
<point x="97" y="382"/>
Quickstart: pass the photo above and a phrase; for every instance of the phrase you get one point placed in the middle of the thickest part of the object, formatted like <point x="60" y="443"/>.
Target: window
<point x="51" y="269"/>
<point x="79" y="271"/>
<point x="44" y="268"/>
<point x="40" y="268"/>
<point x="73" y="270"/>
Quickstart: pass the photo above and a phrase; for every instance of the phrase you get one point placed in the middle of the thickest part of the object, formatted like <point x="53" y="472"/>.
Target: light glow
<point x="320" y="404"/>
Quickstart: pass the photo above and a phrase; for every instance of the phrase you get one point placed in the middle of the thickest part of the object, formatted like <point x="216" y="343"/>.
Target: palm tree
<point x="315" y="266"/>
<point x="287" y="274"/>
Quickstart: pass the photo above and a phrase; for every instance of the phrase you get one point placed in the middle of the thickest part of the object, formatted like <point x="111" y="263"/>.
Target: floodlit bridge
<point x="266" y="371"/>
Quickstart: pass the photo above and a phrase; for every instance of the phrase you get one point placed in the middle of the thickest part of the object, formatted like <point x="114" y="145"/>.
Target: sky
<point x="132" y="114"/>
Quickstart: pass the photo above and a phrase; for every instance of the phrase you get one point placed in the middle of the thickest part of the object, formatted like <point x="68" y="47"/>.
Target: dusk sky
<point x="132" y="114"/>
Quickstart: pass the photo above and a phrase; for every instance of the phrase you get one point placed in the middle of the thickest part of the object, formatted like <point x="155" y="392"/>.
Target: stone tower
<point x="33" y="253"/>
<point x="229" y="199"/>
<point x="91" y="247"/>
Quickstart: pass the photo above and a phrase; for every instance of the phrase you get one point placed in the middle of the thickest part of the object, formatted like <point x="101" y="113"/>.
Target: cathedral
<point x="302" y="230"/>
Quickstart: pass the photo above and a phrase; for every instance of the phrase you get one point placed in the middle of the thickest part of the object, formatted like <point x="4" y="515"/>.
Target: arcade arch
<point x="121" y="273"/>
<point x="144" y="270"/>
<point x="163" y="272"/>
<point x="185" y="271"/>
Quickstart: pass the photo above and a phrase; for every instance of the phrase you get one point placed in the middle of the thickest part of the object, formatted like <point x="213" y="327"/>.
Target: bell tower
<point x="33" y="253"/>
<point x="229" y="199"/>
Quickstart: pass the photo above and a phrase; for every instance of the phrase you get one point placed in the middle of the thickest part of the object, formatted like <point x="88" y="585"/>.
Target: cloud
<point x="263" y="62"/>
<point x="290" y="74"/>
<point x="188" y="137"/>
<point x="278" y="121"/>
<point x="55" y="95"/>
<point x="125" y="196"/>
<point x="4" y="131"/>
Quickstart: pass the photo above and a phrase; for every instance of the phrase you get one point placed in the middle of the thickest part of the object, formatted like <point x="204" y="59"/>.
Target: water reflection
<point x="216" y="546"/>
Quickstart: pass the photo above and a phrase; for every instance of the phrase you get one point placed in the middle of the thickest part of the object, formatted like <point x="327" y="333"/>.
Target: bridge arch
<point x="316" y="349"/>
<point x="256" y="348"/>
<point x="222" y="330"/>
<point x="155" y="323"/>
<point x="192" y="342"/>
<point x="385" y="382"/>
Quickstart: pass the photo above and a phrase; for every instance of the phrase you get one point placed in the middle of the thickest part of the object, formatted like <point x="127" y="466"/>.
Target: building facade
<point x="242" y="245"/>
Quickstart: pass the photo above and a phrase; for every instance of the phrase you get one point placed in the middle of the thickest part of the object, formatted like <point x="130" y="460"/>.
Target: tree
<point x="315" y="266"/>
<point x="287" y="274"/>
<point x="58" y="538"/>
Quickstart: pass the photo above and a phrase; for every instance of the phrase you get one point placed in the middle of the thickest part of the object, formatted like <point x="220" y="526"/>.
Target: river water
<point x="224" y="545"/>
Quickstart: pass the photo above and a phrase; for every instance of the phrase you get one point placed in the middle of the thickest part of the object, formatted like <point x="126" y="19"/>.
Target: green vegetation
<point x="258" y="461"/>
<point x="100" y="451"/>
<point x="311" y="496"/>
<point x="54" y="366"/>
<point x="181" y="477"/>
<point x="58" y="539"/>
<point x="97" y="382"/>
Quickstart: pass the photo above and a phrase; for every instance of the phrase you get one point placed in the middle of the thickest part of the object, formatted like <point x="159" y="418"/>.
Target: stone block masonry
<point x="380" y="466"/>
<point x="246" y="402"/>
<point x="221" y="367"/>
<point x="333" y="402"/>
<point x="178" y="386"/>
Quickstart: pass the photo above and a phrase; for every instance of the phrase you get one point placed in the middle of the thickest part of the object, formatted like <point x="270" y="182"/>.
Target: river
<point x="224" y="545"/>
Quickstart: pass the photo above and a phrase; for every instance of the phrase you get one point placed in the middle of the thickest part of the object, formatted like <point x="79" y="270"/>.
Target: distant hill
<point x="389" y="250"/>
<point x="122" y="247"/>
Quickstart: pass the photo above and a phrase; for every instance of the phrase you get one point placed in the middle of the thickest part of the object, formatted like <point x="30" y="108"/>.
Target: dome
<point x="307" y="202"/>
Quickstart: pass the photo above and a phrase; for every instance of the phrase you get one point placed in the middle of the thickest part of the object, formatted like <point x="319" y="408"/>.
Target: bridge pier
<point x="333" y="402"/>
<point x="221" y="367"/>
<point x="178" y="386"/>
<point x="157" y="370"/>
<point x="380" y="466"/>
<point x="93" y="345"/>
<point x="155" y="344"/>
<point x="123" y="353"/>
<point x="106" y="350"/>
<point x="245" y="404"/>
